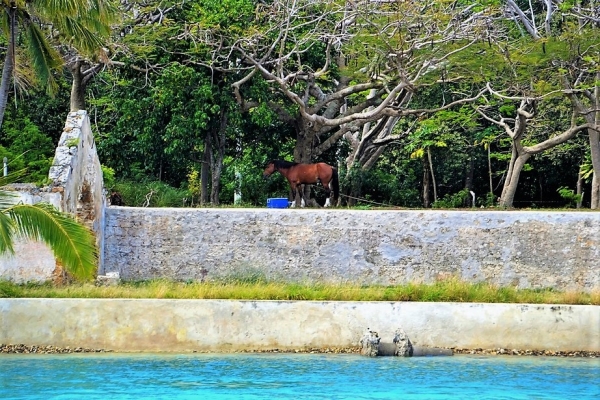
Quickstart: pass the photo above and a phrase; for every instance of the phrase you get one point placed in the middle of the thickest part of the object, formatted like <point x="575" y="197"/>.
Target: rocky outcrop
<point x="404" y="347"/>
<point x="370" y="344"/>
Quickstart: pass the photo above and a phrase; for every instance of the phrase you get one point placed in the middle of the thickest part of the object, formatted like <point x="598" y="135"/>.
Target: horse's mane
<point x="282" y="164"/>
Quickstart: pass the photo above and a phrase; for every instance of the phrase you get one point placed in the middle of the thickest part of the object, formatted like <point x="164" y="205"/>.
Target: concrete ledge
<point x="232" y="325"/>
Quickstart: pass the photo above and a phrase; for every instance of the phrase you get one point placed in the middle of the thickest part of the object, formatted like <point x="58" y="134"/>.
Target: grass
<point x="451" y="290"/>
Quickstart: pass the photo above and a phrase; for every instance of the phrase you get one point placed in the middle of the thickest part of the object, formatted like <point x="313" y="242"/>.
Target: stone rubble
<point x="32" y="349"/>
<point x="24" y="349"/>
<point x="520" y="352"/>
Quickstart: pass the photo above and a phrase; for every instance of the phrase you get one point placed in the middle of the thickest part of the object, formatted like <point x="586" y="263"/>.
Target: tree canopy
<point x="446" y="103"/>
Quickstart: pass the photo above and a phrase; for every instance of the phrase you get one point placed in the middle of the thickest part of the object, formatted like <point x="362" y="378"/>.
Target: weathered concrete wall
<point x="76" y="188"/>
<point x="528" y="249"/>
<point x="76" y="174"/>
<point x="33" y="261"/>
<point x="226" y="325"/>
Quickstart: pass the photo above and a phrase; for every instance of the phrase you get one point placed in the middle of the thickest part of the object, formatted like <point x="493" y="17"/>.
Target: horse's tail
<point x="335" y="183"/>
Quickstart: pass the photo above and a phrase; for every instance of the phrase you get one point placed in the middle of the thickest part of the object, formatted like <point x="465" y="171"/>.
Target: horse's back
<point x="325" y="171"/>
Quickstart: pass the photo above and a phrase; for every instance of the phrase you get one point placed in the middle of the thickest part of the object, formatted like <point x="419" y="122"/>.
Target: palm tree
<point x="78" y="24"/>
<point x="72" y="243"/>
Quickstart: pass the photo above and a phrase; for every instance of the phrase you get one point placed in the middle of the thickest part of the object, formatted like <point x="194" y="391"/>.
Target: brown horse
<point x="300" y="174"/>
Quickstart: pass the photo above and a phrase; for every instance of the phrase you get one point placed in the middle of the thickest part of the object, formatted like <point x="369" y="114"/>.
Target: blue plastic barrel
<point x="278" y="202"/>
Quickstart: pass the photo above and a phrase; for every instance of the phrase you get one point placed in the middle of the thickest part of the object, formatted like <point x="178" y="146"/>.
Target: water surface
<point x="295" y="376"/>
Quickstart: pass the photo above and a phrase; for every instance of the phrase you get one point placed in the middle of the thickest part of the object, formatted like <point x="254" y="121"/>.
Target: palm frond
<point x="9" y="198"/>
<point x="72" y="243"/>
<point x="7" y="231"/>
<point x="83" y="24"/>
<point x="82" y="38"/>
<point x="44" y="57"/>
<point x="12" y="177"/>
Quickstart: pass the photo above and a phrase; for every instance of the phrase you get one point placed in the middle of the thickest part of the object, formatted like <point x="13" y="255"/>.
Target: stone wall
<point x="76" y="187"/>
<point x="231" y="325"/>
<point x="527" y="249"/>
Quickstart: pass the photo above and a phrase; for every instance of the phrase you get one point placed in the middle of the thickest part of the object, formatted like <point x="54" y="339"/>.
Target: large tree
<point x="567" y="32"/>
<point x="516" y="127"/>
<point x="338" y="69"/>
<point x="39" y="27"/>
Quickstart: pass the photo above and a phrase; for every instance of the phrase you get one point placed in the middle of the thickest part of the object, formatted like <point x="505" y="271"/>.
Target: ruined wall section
<point x="76" y="187"/>
<point x="76" y="174"/>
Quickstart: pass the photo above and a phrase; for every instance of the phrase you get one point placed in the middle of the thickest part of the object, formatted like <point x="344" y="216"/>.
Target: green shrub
<point x="569" y="196"/>
<point x="456" y="200"/>
<point x="152" y="194"/>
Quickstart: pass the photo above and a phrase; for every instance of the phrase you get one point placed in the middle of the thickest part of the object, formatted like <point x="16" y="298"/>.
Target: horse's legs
<point x="294" y="192"/>
<point x="301" y="190"/>
<point x="328" y="193"/>
<point x="297" y="189"/>
<point x="327" y="202"/>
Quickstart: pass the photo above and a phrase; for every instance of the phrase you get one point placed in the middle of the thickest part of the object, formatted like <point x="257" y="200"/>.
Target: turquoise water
<point x="297" y="376"/>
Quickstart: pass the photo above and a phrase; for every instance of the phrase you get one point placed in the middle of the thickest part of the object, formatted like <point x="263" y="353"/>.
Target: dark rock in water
<point x="370" y="344"/>
<point x="404" y="347"/>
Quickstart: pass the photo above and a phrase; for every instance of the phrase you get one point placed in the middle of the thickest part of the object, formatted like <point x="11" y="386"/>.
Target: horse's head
<point x="269" y="169"/>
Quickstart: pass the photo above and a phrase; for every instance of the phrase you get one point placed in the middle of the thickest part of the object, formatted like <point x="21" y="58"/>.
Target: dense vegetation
<point x="417" y="104"/>
<point x="258" y="289"/>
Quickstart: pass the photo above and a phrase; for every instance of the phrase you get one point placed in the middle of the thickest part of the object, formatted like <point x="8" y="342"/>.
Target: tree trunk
<point x="512" y="180"/>
<point x="216" y="181"/>
<point x="490" y="172"/>
<point x="579" y="190"/>
<point x="432" y="174"/>
<point x="469" y="180"/>
<point x="594" y="137"/>
<point x="219" y="140"/>
<point x="77" y="88"/>
<point x="9" y="63"/>
<point x="509" y="174"/>
<point x="303" y="152"/>
<point x="354" y="184"/>
<point x="426" y="193"/>
<point x="205" y="170"/>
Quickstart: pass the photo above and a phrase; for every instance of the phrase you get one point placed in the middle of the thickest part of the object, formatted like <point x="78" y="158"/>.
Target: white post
<point x="237" y="194"/>
<point x="5" y="166"/>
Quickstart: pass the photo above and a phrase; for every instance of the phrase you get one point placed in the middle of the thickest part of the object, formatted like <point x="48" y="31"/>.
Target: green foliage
<point x="154" y="117"/>
<point x="456" y="200"/>
<point x="489" y="200"/>
<point x="28" y="147"/>
<point x="569" y="196"/>
<point x="82" y="26"/>
<point x="194" y="185"/>
<point x="157" y="131"/>
<point x="74" y="142"/>
<point x="378" y="188"/>
<point x="252" y="285"/>
<point x="108" y="176"/>
<point x="233" y="15"/>
<point x="152" y="194"/>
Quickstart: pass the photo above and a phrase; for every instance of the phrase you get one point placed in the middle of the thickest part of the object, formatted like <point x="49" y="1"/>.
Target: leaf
<point x="72" y="243"/>
<point x="419" y="153"/>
